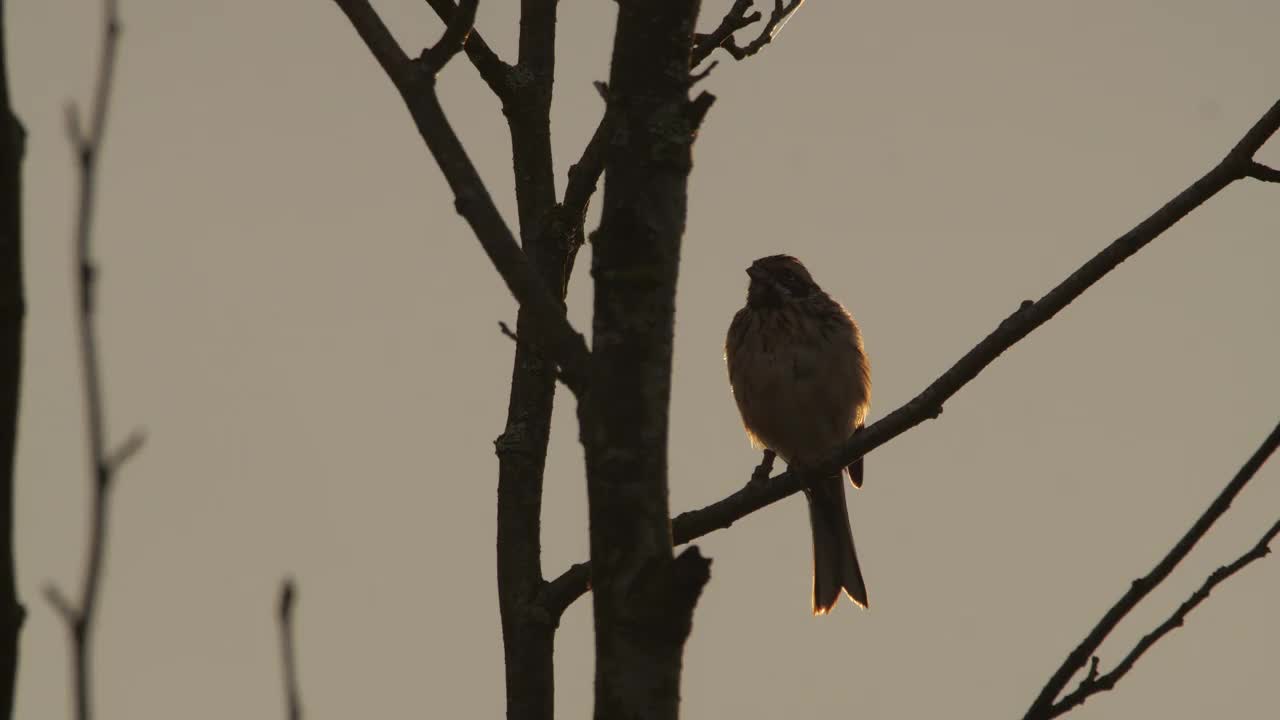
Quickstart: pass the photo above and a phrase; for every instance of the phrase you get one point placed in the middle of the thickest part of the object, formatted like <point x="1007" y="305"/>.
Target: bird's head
<point x="777" y="280"/>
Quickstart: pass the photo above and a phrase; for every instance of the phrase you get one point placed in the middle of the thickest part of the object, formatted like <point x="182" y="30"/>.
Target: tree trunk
<point x="643" y="599"/>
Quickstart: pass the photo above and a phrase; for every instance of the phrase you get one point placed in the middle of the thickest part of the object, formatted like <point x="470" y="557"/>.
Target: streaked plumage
<point x="803" y="386"/>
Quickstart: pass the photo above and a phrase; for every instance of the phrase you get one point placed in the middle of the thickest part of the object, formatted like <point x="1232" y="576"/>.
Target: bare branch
<point x="1093" y="684"/>
<point x="492" y="69"/>
<point x="61" y="605"/>
<point x="584" y="175"/>
<point x="125" y="452"/>
<point x="1043" y="707"/>
<point x="87" y="145"/>
<point x="528" y="641"/>
<point x="566" y="223"/>
<point x="782" y="13"/>
<point x="928" y="404"/>
<point x="1258" y="171"/>
<point x="472" y="200"/>
<point x="455" y="35"/>
<point x="738" y="17"/>
<point x="698" y="109"/>
<point x="12" y="322"/>
<point x="288" y="658"/>
<point x="695" y="78"/>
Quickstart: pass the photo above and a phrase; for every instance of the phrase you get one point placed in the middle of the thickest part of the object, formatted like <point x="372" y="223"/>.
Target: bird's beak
<point x="756" y="273"/>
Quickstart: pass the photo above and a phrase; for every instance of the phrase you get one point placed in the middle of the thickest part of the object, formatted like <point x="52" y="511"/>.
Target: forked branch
<point x="738" y="18"/>
<point x="416" y="82"/>
<point x="1044" y="706"/>
<point x="492" y="69"/>
<point x="104" y="462"/>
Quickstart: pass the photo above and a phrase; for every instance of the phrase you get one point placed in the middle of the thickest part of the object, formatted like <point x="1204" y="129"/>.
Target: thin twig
<point x="288" y="658"/>
<point x="1093" y="684"/>
<point x="104" y="462"/>
<point x="471" y="198"/>
<point x="1043" y="707"/>
<point x="738" y="17"/>
<point x="506" y="330"/>
<point x="928" y="404"/>
<point x="782" y="13"/>
<point x="584" y="175"/>
<point x="567" y="221"/>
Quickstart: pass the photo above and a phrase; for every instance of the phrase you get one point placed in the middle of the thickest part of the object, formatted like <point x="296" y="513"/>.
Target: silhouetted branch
<point x="537" y="273"/>
<point x="450" y="43"/>
<point x="1093" y="684"/>
<point x="125" y="452"/>
<point x="288" y="657"/>
<point x="1044" y="706"/>
<point x="565" y="225"/>
<point x="12" y="319"/>
<point x="473" y="202"/>
<point x="928" y="404"/>
<point x="528" y="640"/>
<point x="782" y="13"/>
<point x="1258" y="171"/>
<point x="738" y="17"/>
<point x="492" y="69"/>
<point x="104" y="462"/>
<point x="584" y="175"/>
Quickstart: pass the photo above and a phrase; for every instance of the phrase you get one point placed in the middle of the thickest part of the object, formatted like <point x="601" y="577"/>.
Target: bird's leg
<point x="764" y="469"/>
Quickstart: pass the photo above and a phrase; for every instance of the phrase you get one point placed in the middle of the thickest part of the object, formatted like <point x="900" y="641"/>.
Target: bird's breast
<point x="799" y="381"/>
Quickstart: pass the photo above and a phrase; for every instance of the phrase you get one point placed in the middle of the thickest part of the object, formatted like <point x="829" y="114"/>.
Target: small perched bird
<point x="803" y="386"/>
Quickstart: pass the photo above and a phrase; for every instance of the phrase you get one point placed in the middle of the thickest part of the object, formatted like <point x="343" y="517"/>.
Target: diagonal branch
<point x="1238" y="163"/>
<point x="104" y="462"/>
<point x="417" y="87"/>
<point x="566" y="224"/>
<point x="492" y="69"/>
<point x="1044" y="707"/>
<point x="568" y="219"/>
<point x="1094" y="684"/>
<point x="456" y="30"/>
<point x="1258" y="171"/>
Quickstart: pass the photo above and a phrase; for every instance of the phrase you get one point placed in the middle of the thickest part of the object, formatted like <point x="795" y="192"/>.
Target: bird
<point x="802" y="383"/>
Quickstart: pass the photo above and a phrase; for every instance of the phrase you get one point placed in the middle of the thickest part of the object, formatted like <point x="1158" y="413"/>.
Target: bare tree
<point x="644" y="595"/>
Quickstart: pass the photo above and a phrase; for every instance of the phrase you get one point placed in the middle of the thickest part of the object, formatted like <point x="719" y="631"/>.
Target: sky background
<point x="308" y="332"/>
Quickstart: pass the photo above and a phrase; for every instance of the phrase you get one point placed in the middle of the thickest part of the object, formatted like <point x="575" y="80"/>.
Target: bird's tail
<point x="835" y="562"/>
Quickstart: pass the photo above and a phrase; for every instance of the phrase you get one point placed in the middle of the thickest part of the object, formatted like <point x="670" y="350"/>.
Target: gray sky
<point x="292" y="309"/>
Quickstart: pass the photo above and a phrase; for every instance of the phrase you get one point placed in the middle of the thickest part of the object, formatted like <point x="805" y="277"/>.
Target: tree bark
<point x="12" y="312"/>
<point x="643" y="599"/>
